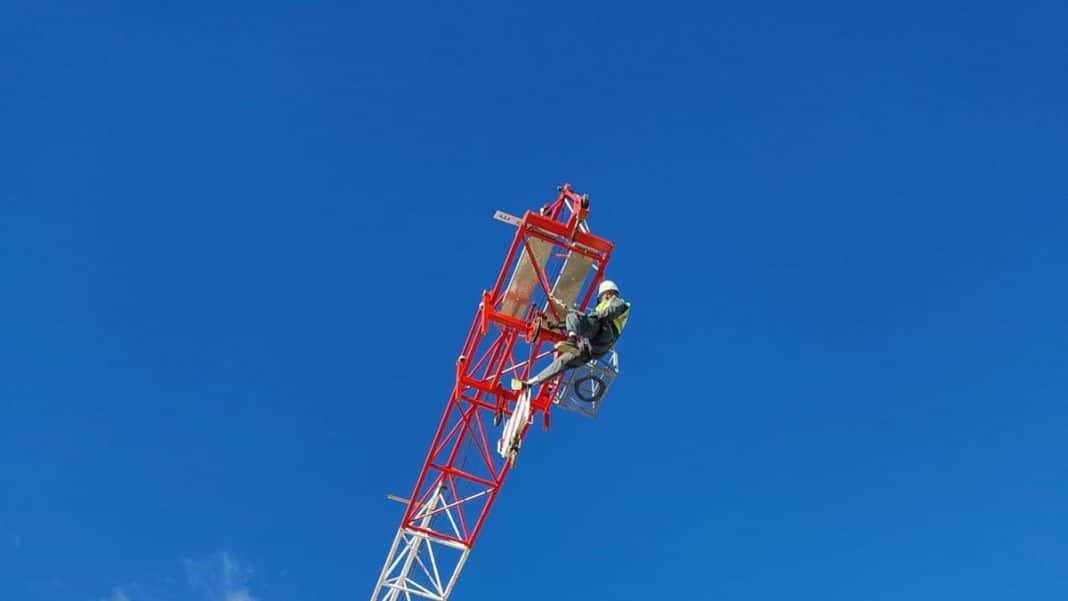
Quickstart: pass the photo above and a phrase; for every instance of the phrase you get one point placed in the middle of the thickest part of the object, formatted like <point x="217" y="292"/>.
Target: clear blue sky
<point x="241" y="243"/>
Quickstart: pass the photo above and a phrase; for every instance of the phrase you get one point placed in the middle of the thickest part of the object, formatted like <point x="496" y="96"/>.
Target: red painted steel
<point x="462" y="459"/>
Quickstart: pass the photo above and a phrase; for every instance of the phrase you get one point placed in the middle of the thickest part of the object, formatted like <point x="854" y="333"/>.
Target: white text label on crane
<point x="505" y="217"/>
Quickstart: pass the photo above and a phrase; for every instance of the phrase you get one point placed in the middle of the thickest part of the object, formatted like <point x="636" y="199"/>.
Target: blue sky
<point x="240" y="246"/>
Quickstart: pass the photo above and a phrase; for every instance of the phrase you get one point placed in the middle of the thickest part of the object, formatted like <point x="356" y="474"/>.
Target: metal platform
<point x="583" y="389"/>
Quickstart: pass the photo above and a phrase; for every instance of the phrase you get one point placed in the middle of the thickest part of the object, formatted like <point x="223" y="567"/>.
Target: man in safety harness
<point x="589" y="336"/>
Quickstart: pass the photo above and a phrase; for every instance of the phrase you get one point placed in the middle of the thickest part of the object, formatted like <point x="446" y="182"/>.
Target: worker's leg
<point x="551" y="370"/>
<point x="563" y="361"/>
<point x="583" y="326"/>
<point x="602" y="342"/>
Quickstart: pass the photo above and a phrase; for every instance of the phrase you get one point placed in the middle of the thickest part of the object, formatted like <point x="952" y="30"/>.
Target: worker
<point x="589" y="336"/>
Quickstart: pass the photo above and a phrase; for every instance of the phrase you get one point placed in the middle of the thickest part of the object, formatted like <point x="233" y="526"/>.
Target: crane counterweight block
<point x="553" y="264"/>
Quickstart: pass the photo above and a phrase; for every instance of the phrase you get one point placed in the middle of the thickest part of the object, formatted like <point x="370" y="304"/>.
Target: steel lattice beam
<point x="463" y="471"/>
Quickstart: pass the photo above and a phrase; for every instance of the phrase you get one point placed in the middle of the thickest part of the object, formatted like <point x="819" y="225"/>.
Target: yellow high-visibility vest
<point x="621" y="321"/>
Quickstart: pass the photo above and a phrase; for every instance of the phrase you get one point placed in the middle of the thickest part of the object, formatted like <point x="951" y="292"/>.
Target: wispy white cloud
<point x="117" y="594"/>
<point x="220" y="577"/>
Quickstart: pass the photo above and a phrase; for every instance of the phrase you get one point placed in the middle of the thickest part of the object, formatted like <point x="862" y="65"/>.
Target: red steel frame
<point x="462" y="471"/>
<point x="480" y="389"/>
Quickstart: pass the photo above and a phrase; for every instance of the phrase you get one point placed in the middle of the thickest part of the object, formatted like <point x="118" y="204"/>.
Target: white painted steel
<point x="505" y="217"/>
<point x="509" y="439"/>
<point x="413" y="566"/>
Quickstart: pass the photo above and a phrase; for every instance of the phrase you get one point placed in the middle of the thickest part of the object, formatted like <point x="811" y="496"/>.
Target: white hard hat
<point x="606" y="286"/>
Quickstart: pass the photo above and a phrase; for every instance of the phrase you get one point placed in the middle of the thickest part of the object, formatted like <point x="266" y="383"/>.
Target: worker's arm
<point x="612" y="310"/>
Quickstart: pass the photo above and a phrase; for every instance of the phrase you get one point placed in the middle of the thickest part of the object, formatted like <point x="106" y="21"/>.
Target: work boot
<point x="568" y="346"/>
<point x="574" y="344"/>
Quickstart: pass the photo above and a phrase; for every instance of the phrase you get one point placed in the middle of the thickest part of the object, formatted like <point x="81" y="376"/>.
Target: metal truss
<point x="420" y="564"/>
<point x="553" y="264"/>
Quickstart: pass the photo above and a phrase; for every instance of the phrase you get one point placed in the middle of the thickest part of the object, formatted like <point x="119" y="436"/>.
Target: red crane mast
<point x="554" y="263"/>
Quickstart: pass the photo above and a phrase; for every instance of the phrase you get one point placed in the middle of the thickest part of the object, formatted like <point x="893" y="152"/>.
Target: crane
<point x="553" y="264"/>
